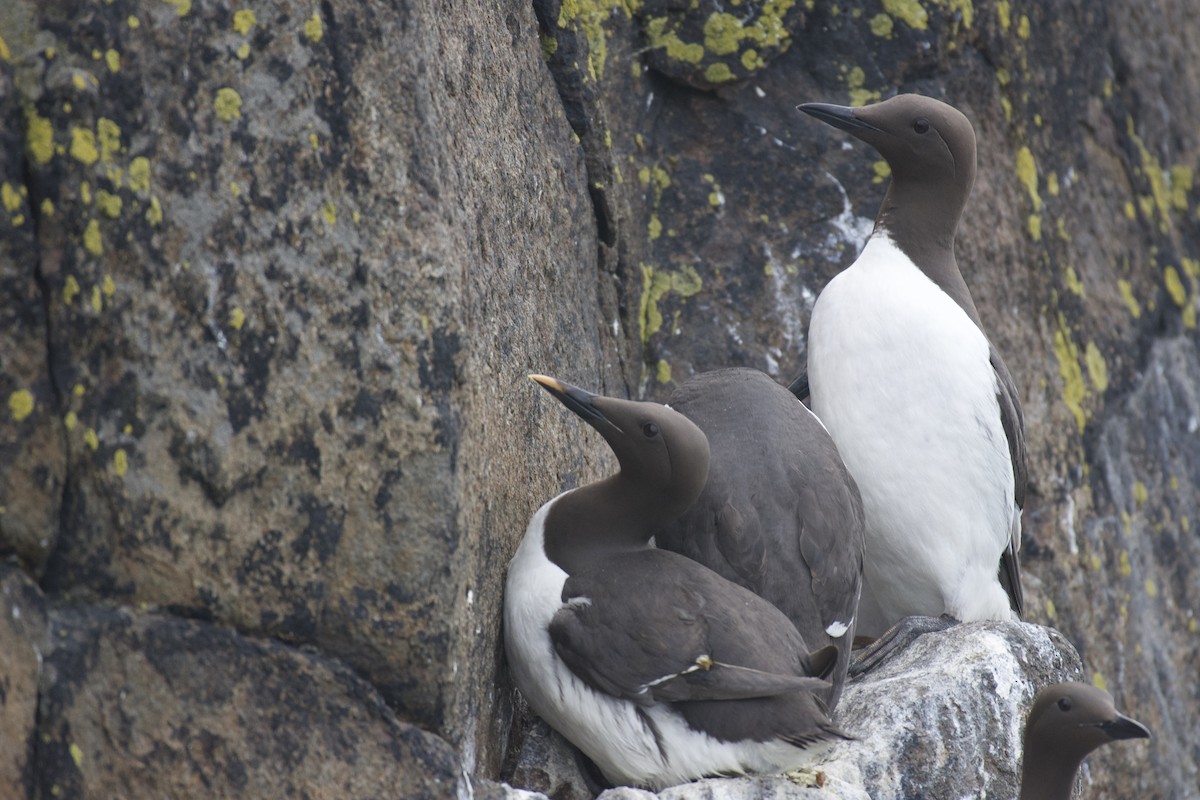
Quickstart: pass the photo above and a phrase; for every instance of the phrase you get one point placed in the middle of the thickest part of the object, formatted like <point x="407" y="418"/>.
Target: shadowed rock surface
<point x="271" y="277"/>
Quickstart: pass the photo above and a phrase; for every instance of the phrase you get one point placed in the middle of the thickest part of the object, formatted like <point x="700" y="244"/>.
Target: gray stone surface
<point x="22" y="640"/>
<point x="294" y="262"/>
<point x="139" y="705"/>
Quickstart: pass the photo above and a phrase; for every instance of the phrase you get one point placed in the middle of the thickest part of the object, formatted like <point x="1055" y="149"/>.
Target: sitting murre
<point x="1068" y="721"/>
<point x="654" y="666"/>
<point x="922" y="408"/>
<point x="780" y="513"/>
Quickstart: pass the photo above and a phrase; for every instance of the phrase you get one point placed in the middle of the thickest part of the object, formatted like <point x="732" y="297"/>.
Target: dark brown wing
<point x="1013" y="420"/>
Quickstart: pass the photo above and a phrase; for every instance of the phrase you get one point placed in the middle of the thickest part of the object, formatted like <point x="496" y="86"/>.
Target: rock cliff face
<point x="272" y="274"/>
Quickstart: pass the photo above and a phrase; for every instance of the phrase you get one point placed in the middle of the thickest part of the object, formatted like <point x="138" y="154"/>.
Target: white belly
<point x="606" y="729"/>
<point x="900" y="376"/>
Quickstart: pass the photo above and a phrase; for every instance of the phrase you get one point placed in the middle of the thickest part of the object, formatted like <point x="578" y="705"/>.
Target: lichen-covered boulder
<point x="282" y="270"/>
<point x="138" y="705"/>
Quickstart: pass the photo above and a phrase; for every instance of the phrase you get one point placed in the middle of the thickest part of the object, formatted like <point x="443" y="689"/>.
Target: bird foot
<point x="806" y="776"/>
<point x="895" y="638"/>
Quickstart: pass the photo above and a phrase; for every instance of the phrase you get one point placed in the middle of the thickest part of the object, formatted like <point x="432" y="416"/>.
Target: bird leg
<point x="895" y="638"/>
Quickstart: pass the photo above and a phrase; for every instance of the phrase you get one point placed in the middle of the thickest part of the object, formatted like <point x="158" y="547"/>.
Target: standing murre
<point x="654" y="666"/>
<point x="780" y="513"/>
<point x="922" y="408"/>
<point x="1068" y="721"/>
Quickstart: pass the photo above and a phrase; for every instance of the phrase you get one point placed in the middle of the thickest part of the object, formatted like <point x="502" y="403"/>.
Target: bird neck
<point x="922" y="222"/>
<point x="1047" y="776"/>
<point x="616" y="515"/>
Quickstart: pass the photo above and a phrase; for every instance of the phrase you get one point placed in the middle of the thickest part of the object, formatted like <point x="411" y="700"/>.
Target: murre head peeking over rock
<point x="1068" y="721"/>
<point x="923" y="410"/>
<point x="654" y="666"/>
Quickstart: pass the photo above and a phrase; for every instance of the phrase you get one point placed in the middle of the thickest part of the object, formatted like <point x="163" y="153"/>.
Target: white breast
<point x="610" y="731"/>
<point x="901" y="377"/>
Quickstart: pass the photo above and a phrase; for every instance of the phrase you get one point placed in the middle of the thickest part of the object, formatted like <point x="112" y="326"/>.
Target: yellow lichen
<point x="1097" y="367"/>
<point x="881" y="25"/>
<point x="655" y="284"/>
<point x="70" y="289"/>
<point x="314" y="29"/>
<point x="1051" y="611"/>
<point x="133" y="22"/>
<point x="909" y="12"/>
<point x="1023" y="27"/>
<point x="1074" y="285"/>
<point x="1140" y="493"/>
<point x="113" y="59"/>
<point x="237" y="318"/>
<point x="227" y="104"/>
<point x="109" y="135"/>
<point x="243" y="21"/>
<point x="91" y="439"/>
<point x="686" y="282"/>
<point x="108" y="287"/>
<point x="1060" y="225"/>
<point x="182" y="7"/>
<point x="85" y="193"/>
<point x="1003" y="14"/>
<point x="751" y="60"/>
<point x="1175" y="286"/>
<point x="97" y="300"/>
<point x="964" y="7"/>
<point x="21" y="404"/>
<point x="120" y="462"/>
<point x="109" y="204"/>
<point x="5" y="53"/>
<point x="329" y="212"/>
<point x="243" y="51"/>
<point x="70" y="421"/>
<point x="1067" y="355"/>
<point x="718" y="72"/>
<point x="1028" y="175"/>
<point x="676" y="48"/>
<point x="1035" y="227"/>
<point x="83" y="146"/>
<point x="91" y="238"/>
<point x="10" y="197"/>
<point x="154" y="214"/>
<point x="654" y="228"/>
<point x="1099" y="682"/>
<point x="139" y="174"/>
<point x="883" y="171"/>
<point x="722" y="32"/>
<point x="663" y="371"/>
<point x="1151" y="587"/>
<point x="1181" y="180"/>
<point x="1052" y="184"/>
<point x="1123" y="565"/>
<point x="47" y="207"/>
<point x="1160" y="193"/>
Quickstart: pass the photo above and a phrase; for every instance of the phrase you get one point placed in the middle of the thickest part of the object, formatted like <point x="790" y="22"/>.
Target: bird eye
<point x="921" y="125"/>
<point x="1064" y="703"/>
<point x="650" y="430"/>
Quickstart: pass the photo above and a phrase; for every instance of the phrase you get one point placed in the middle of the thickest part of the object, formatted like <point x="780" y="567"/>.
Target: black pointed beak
<point x="578" y="400"/>
<point x="1122" y="727"/>
<point x="838" y="116"/>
